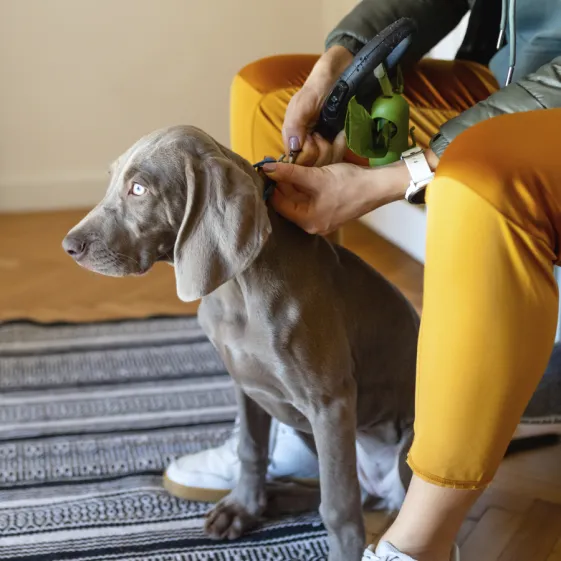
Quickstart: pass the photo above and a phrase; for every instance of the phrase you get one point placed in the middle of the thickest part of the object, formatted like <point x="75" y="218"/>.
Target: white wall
<point x="334" y="11"/>
<point x="82" y="79"/>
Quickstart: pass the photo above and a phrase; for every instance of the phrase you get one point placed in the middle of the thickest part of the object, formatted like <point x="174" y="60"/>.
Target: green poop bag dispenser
<point x="376" y="128"/>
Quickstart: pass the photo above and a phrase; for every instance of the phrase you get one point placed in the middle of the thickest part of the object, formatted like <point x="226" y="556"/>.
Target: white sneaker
<point x="387" y="552"/>
<point x="210" y="475"/>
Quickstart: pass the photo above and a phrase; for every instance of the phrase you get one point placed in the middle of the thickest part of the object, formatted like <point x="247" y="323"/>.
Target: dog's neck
<point x="273" y="273"/>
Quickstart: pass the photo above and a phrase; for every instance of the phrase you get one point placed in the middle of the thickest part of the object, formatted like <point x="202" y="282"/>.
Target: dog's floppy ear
<point x="224" y="227"/>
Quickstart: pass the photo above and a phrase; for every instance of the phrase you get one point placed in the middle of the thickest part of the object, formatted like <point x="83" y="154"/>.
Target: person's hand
<point x="304" y="108"/>
<point x="321" y="199"/>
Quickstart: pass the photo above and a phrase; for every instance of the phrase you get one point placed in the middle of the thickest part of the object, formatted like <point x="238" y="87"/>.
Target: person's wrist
<point x="384" y="185"/>
<point x="432" y="159"/>
<point x="389" y="183"/>
<point x="399" y="178"/>
<point x="328" y="68"/>
<point x="335" y="60"/>
<point x="368" y="189"/>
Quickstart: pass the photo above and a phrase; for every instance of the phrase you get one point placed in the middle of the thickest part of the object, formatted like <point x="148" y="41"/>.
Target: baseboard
<point x="51" y="193"/>
<point x="402" y="224"/>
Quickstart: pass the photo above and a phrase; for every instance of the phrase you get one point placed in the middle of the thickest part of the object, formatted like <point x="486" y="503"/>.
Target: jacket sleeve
<point x="435" y="19"/>
<point x="540" y="90"/>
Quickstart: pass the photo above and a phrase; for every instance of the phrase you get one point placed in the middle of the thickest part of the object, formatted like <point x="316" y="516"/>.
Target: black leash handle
<point x="388" y="46"/>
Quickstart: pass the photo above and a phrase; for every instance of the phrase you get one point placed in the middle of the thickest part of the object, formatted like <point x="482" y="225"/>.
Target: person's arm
<point x="322" y="199"/>
<point x="434" y="18"/>
<point x="541" y="90"/>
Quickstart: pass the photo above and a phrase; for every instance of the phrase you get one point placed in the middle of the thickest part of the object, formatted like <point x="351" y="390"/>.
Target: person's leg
<point x="489" y="317"/>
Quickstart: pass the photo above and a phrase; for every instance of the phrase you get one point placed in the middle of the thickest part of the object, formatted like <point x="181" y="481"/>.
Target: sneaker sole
<point x="197" y="494"/>
<point x="206" y="495"/>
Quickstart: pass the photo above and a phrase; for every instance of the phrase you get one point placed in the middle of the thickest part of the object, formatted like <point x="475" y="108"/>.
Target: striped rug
<point x="90" y="415"/>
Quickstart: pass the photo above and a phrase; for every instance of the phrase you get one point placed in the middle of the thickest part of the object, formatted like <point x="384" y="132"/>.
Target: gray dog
<point x="310" y="333"/>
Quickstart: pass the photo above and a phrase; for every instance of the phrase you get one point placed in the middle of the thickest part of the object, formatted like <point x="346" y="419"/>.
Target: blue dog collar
<point x="269" y="183"/>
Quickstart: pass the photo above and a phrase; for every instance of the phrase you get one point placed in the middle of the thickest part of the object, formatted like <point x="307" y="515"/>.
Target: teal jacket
<point x="535" y="47"/>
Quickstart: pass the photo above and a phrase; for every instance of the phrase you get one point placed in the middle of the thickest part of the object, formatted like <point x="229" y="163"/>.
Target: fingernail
<point x="294" y="143"/>
<point x="269" y="167"/>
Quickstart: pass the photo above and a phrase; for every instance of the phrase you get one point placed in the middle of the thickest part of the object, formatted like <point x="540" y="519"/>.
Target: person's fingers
<point x="300" y="115"/>
<point x="309" y="153"/>
<point x="294" y="127"/>
<point x="339" y="147"/>
<point x="325" y="151"/>
<point x="308" y="179"/>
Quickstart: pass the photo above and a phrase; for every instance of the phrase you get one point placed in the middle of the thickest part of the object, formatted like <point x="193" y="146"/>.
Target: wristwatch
<point x="421" y="175"/>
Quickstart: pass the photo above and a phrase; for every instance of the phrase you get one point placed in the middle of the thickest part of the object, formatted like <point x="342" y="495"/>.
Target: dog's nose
<point x="75" y="247"/>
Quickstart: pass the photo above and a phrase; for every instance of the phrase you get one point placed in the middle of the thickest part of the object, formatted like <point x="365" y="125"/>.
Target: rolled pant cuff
<point x="447" y="483"/>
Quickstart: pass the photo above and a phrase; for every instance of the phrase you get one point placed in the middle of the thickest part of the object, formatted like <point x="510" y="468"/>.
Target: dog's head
<point x="177" y="196"/>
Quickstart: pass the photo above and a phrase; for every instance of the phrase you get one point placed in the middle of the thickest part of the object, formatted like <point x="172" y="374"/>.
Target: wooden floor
<point x="518" y="519"/>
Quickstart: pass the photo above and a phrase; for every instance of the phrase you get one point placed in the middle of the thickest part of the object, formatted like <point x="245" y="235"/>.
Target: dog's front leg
<point x="334" y="427"/>
<point x="241" y="509"/>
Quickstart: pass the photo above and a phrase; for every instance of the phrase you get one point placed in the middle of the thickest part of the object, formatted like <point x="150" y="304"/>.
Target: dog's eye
<point x="137" y="190"/>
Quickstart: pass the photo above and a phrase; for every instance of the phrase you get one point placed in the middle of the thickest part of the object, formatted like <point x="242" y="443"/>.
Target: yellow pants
<point x="490" y="297"/>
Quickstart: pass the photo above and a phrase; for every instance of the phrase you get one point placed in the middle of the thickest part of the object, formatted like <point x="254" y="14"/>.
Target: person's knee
<point x="504" y="147"/>
<point x="507" y="161"/>
<point x="476" y="153"/>
<point x="497" y="160"/>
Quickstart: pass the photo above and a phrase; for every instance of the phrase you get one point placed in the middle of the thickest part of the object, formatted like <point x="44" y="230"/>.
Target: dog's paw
<point x="229" y="519"/>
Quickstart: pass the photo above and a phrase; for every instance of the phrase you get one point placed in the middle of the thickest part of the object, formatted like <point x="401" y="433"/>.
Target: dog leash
<point x="270" y="184"/>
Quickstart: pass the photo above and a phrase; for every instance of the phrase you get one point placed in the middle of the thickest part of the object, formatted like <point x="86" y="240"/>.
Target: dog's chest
<point x="228" y="325"/>
<point x="248" y="352"/>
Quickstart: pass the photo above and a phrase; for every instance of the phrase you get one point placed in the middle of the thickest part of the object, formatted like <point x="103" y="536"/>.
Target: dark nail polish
<point x="294" y="143"/>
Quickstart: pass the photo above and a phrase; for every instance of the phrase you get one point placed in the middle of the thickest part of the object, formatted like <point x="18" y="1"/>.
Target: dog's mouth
<point x="97" y="255"/>
<point x="100" y="259"/>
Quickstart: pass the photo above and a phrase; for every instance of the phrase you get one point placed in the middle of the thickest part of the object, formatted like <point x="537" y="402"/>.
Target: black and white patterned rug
<point x="90" y="415"/>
